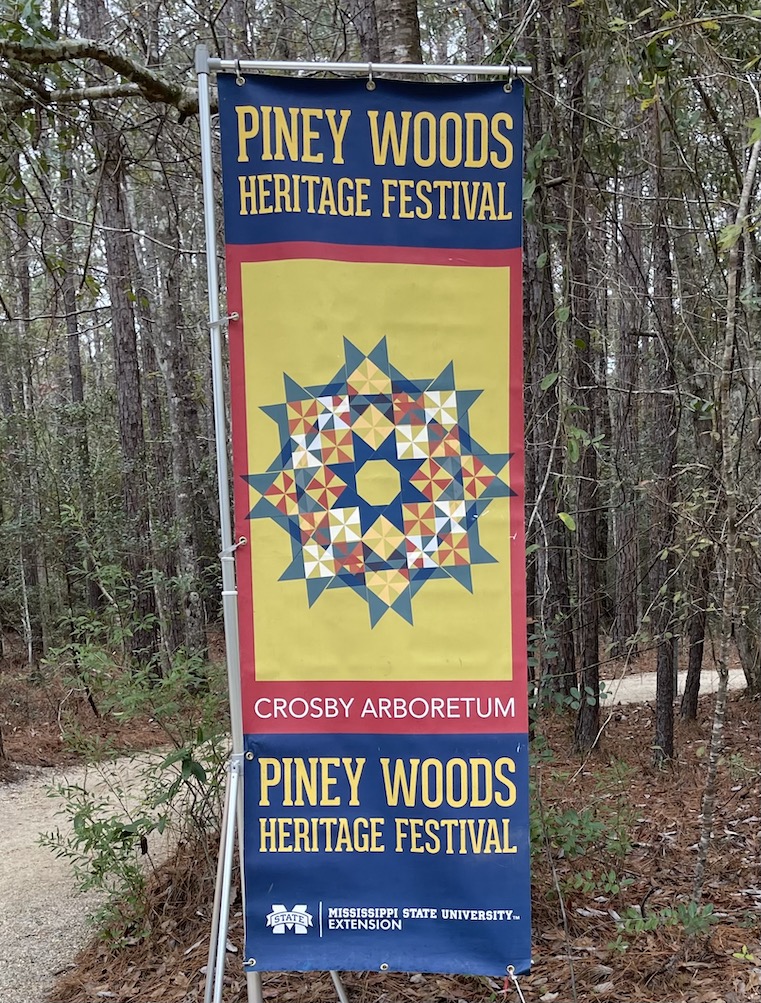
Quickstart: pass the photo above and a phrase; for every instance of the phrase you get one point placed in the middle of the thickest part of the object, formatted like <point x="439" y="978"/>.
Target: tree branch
<point x="147" y="83"/>
<point x="74" y="94"/>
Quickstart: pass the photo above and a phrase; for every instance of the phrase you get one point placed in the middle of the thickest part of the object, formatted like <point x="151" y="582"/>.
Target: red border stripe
<point x="239" y="254"/>
<point x="376" y="254"/>
<point x="401" y="703"/>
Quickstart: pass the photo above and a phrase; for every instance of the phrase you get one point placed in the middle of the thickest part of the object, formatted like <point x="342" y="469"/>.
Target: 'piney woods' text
<point x="443" y="142"/>
<point x="332" y="782"/>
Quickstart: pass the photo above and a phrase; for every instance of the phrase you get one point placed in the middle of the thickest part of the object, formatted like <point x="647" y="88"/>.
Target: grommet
<point x="512" y="977"/>
<point x="370" y="81"/>
<point x="508" y="86"/>
<point x="249" y="757"/>
<point x="384" y="967"/>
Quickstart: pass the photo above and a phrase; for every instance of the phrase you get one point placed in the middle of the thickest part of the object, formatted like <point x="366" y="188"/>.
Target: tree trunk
<point x="475" y="36"/>
<point x="580" y="336"/>
<point x="728" y="500"/>
<point x="688" y="710"/>
<point x="748" y="638"/>
<point x="624" y="441"/>
<point x="25" y="487"/>
<point x="665" y="429"/>
<point x="550" y="606"/>
<point x="362" y="16"/>
<point x="78" y="427"/>
<point x="184" y="597"/>
<point x="143" y="639"/>
<point x="398" y="31"/>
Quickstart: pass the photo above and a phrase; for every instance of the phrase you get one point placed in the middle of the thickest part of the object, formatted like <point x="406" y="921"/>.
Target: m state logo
<point x="282" y="919"/>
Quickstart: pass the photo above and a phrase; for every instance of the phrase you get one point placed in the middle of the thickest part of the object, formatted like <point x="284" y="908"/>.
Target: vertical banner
<point x="373" y="259"/>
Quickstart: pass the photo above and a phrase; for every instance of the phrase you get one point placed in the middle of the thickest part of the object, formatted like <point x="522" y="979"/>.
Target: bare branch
<point x="75" y="94"/>
<point x="149" y="84"/>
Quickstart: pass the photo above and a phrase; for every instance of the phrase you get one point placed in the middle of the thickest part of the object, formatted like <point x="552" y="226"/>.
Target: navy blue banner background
<point x="440" y="881"/>
<point x="486" y="100"/>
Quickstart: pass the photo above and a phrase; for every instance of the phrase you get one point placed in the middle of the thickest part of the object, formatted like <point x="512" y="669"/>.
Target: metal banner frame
<point x="232" y="821"/>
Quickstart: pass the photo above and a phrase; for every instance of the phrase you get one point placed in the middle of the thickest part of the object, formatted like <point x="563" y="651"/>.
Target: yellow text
<point x="261" y="194"/>
<point x="290" y="133"/>
<point x="445" y="199"/>
<point x="453" y="835"/>
<point x="450" y="139"/>
<point x="310" y="835"/>
<point x="309" y="781"/>
<point x="457" y="782"/>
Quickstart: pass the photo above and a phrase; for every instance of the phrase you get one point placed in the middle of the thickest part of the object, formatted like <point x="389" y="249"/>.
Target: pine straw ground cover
<point x="46" y="722"/>
<point x="618" y="846"/>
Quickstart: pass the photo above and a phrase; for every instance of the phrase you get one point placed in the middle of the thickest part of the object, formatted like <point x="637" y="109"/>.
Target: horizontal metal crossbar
<point x="510" y="71"/>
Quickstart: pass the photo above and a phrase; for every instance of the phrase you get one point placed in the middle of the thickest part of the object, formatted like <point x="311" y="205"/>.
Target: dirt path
<point x="640" y="688"/>
<point x="43" y="918"/>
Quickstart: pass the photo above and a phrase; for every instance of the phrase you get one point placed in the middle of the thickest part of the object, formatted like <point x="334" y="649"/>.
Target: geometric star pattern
<point x="384" y="552"/>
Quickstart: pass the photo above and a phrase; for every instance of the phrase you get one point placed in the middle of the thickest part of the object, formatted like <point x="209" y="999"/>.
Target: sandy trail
<point x="640" y="688"/>
<point x="43" y="917"/>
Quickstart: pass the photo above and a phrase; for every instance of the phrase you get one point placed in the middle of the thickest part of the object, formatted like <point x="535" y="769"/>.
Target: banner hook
<point x="370" y="81"/>
<point x="239" y="80"/>
<point x="241" y="542"/>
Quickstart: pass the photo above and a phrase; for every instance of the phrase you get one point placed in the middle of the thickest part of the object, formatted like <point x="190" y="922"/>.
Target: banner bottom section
<point x="391" y="852"/>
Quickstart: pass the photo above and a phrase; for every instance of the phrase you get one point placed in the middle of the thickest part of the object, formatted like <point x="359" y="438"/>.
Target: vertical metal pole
<point x="229" y="591"/>
<point x="211" y="964"/>
<point x="236" y="768"/>
<point x="339" y="987"/>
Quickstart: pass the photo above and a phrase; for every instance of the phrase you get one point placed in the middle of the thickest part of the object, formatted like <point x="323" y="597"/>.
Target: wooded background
<point x="642" y="336"/>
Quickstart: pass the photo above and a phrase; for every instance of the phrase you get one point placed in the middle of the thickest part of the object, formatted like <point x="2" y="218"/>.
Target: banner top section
<point x="287" y="143"/>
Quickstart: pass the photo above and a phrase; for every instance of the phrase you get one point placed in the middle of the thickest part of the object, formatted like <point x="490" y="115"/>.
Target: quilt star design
<point x="378" y="482"/>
